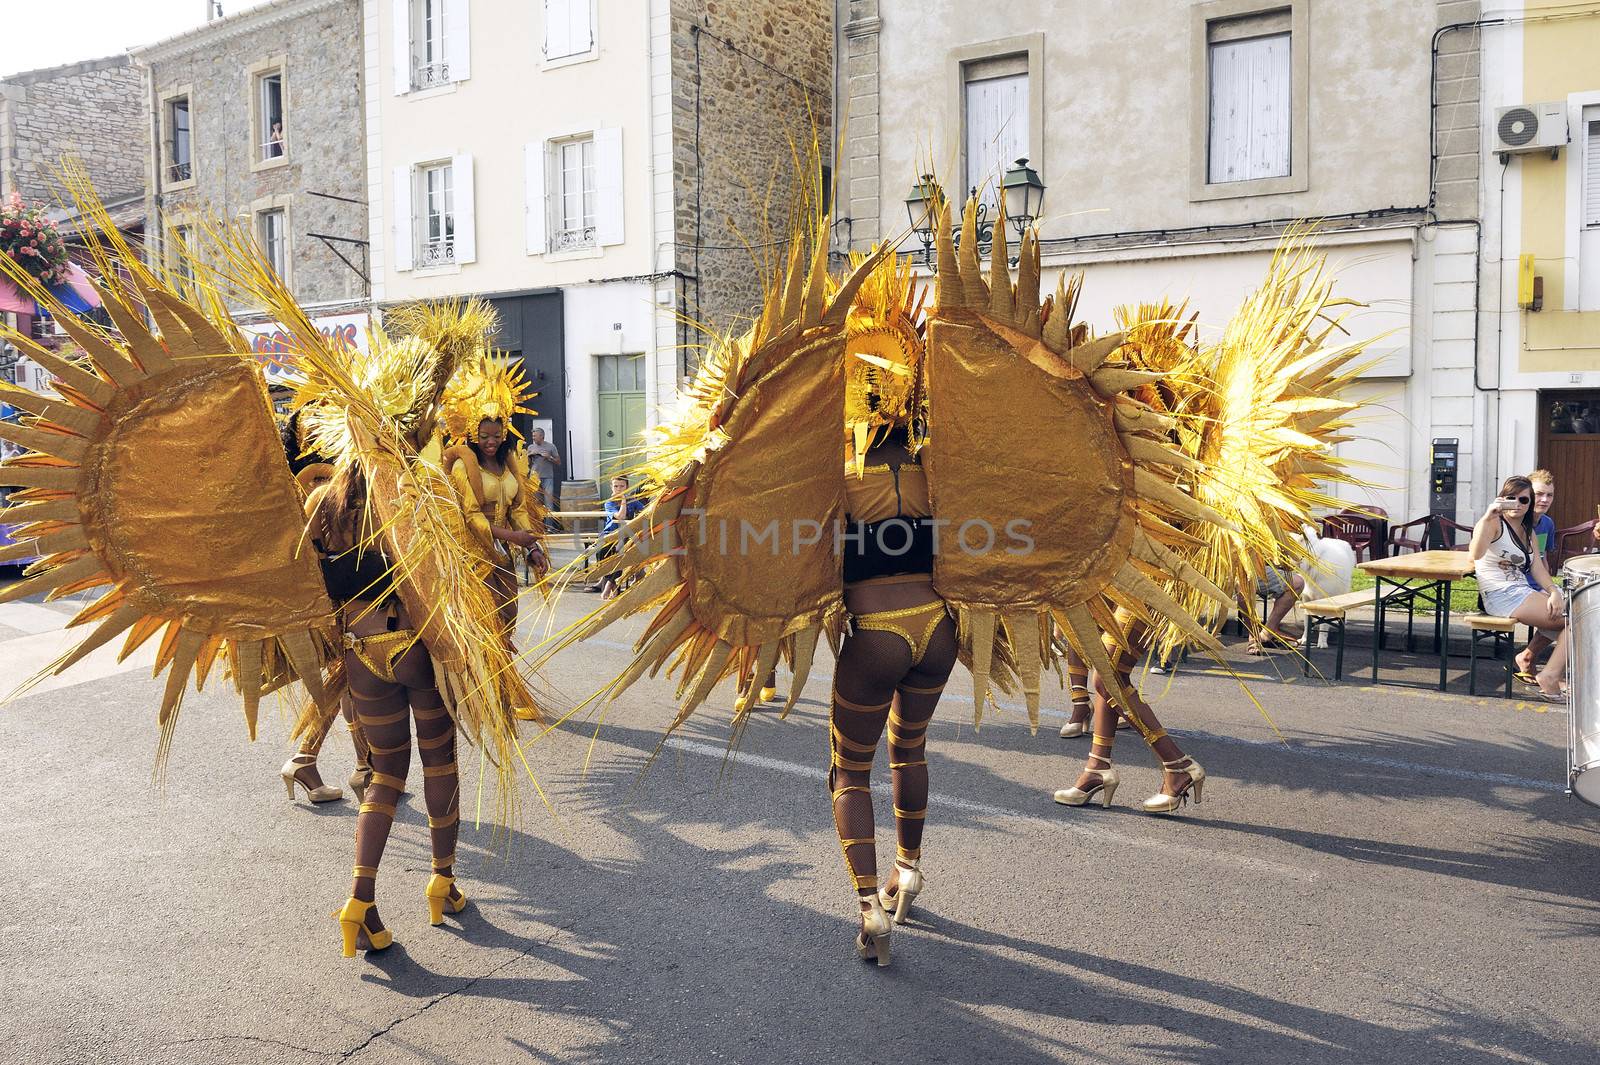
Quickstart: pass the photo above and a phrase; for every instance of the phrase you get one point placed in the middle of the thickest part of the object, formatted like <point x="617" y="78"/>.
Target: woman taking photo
<point x="1506" y="557"/>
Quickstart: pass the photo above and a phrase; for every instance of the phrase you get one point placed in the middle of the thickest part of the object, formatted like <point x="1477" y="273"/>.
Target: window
<point x="1591" y="167"/>
<point x="1251" y="127"/>
<point x="430" y="64"/>
<point x="996" y="128"/>
<point x="1249" y="109"/>
<point x="438" y="216"/>
<point x="1588" y="143"/>
<point x="574" y="199"/>
<point x="178" y="140"/>
<point x="271" y="142"/>
<point x="273" y="233"/>
<point x="568" y="28"/>
<point x="180" y="252"/>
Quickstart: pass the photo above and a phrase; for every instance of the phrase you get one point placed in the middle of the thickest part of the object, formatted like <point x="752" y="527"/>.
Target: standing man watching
<point x="544" y="458"/>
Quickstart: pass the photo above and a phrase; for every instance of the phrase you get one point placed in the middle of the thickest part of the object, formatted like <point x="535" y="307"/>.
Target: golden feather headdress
<point x="883" y="355"/>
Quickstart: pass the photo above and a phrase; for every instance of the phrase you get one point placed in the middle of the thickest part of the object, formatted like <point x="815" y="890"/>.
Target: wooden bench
<point x="1330" y="613"/>
<point x="1503" y="631"/>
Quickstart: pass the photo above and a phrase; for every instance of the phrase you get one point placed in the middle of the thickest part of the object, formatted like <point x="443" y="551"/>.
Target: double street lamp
<point x="1024" y="195"/>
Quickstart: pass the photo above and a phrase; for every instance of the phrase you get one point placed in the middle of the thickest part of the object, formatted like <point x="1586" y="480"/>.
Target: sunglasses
<point x="1523" y="499"/>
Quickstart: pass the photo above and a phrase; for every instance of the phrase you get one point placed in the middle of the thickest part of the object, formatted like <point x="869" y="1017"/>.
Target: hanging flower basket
<point x="32" y="241"/>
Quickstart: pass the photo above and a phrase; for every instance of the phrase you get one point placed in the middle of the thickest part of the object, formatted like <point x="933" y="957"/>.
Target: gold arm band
<point x="386" y="808"/>
<point x="446" y="862"/>
<point x="381" y="719"/>
<point x="448" y="770"/>
<point x="387" y="780"/>
<point x="910" y="815"/>
<point x="852" y="764"/>
<point x="365" y="872"/>
<point x="849" y="788"/>
<point x="375" y="749"/>
<point x="433" y="742"/>
<point x="858" y="842"/>
<point x="446" y="821"/>
<point x="907" y="854"/>
<point x="1158" y="734"/>
<point x="908" y="765"/>
<point x="430" y="715"/>
<point x="845" y="741"/>
<point x="858" y="707"/>
<point x="864" y="883"/>
<point x="897" y="739"/>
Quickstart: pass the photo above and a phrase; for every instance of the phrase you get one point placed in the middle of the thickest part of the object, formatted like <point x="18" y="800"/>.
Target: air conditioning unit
<point x="1526" y="128"/>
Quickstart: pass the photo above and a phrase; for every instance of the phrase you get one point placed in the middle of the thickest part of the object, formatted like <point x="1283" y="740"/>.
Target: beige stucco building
<point x="578" y="163"/>
<point x="1175" y="141"/>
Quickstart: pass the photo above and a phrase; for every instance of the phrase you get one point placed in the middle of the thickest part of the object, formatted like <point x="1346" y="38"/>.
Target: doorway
<point x="621" y="414"/>
<point x="1569" y="447"/>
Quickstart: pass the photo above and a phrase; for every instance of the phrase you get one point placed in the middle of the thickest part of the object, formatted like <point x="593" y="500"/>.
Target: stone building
<point x="257" y="118"/>
<point x="92" y="110"/>
<point x="1175" y="140"/>
<point x="592" y="177"/>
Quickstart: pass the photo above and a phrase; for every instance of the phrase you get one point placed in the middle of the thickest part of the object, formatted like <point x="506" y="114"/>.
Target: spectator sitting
<point x="1544" y="534"/>
<point x="1283" y="588"/>
<point x="1505" y="556"/>
<point x="619" y="509"/>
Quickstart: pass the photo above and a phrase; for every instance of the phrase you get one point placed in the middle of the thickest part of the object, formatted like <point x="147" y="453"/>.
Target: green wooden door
<point x="621" y="420"/>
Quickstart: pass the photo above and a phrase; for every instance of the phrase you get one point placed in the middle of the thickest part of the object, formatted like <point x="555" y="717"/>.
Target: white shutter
<point x="1251" y="109"/>
<point x="558" y="27"/>
<point x="402" y="46"/>
<point x="580" y="32"/>
<point x="458" y="39"/>
<point x="609" y="202"/>
<point x="534" y="206"/>
<point x="403" y="219"/>
<point x="466" y="215"/>
<point x="997" y="129"/>
<point x="1591" y="168"/>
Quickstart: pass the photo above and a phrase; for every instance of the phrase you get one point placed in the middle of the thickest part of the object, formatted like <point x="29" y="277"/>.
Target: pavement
<point x="1378" y="874"/>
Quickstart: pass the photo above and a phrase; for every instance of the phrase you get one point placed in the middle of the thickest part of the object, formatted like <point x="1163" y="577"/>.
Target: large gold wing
<point x="1051" y="481"/>
<point x="737" y="546"/>
<point x="158" y="471"/>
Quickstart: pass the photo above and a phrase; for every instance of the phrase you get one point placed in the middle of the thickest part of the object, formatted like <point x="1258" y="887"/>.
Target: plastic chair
<point x="1354" y="529"/>
<point x="1584" y="534"/>
<point x="1459" y="536"/>
<point x="1401" y="539"/>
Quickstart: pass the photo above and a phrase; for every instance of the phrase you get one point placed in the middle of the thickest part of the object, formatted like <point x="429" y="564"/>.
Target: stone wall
<point x="1458" y="118"/>
<point x="321" y="48"/>
<point x="750" y="79"/>
<point x="93" y="110"/>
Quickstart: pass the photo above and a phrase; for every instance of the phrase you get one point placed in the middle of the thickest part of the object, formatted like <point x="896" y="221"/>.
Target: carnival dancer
<point x="103" y="508"/>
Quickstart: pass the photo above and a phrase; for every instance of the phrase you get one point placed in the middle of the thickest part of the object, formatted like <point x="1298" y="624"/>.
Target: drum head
<point x="1586" y="785"/>
<point x="1586" y="566"/>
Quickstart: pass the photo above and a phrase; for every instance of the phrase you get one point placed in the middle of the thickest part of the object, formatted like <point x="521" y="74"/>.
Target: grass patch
<point x="1463" y="593"/>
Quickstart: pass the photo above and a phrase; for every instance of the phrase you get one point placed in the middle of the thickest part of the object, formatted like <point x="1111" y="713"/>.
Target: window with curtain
<point x="269" y="115"/>
<point x="438" y="215"/>
<point x="273" y="232"/>
<point x="1251" y="100"/>
<point x="574" y="201"/>
<point x="178" y="140"/>
<point x="430" y="65"/>
<point x="995" y="118"/>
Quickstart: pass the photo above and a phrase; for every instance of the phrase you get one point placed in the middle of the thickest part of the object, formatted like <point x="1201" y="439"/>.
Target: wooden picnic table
<point x="1421" y="576"/>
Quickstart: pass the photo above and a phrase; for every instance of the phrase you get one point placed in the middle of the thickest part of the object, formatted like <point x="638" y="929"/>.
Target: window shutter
<point x="1251" y="109"/>
<point x="458" y="39"/>
<point x="534" y="204"/>
<point x="401" y="230"/>
<point x="997" y="129"/>
<point x="402" y="46"/>
<point x="466" y="230"/>
<point x="580" y="36"/>
<point x="1591" y="173"/>
<point x="558" y="28"/>
<point x="609" y="205"/>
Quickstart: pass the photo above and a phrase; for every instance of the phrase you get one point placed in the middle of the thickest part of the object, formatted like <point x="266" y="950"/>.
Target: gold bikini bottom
<point x="914" y="624"/>
<point x="380" y="651"/>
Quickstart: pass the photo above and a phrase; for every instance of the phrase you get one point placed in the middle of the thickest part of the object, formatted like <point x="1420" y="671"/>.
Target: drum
<point x="1583" y="677"/>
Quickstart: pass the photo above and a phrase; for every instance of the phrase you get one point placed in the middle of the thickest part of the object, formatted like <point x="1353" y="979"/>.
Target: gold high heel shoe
<point x="1163" y="803"/>
<point x="359" y="780"/>
<point x="909" y="883"/>
<point x="873" y="942"/>
<point x="1074" y="728"/>
<point x="1076" y="796"/>
<point x="353" y="924"/>
<point x="291" y="770"/>
<point x="438" y="893"/>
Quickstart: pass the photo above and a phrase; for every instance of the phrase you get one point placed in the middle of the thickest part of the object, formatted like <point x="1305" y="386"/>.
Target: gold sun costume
<point x="156" y="473"/>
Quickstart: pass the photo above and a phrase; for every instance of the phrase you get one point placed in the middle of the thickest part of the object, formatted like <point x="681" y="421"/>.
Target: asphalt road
<point x="1399" y="878"/>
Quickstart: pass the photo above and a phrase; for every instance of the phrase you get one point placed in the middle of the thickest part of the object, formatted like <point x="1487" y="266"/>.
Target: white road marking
<point x="1067" y="822"/>
<point x="32" y="618"/>
<point x="23" y="657"/>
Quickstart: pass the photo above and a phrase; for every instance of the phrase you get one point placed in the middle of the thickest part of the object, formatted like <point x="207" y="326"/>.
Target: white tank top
<point x="1504" y="562"/>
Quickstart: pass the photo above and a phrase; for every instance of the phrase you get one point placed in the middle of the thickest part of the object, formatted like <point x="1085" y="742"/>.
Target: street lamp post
<point x="922" y="205"/>
<point x="1024" y="195"/>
